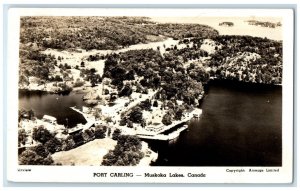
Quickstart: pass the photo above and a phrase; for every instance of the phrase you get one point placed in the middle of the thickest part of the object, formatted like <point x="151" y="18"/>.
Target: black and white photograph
<point x="151" y="91"/>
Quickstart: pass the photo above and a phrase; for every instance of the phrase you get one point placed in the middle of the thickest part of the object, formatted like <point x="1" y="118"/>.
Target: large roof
<point x="49" y="117"/>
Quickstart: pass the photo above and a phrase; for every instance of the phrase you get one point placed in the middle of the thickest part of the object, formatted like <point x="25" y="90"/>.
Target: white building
<point x="50" y="119"/>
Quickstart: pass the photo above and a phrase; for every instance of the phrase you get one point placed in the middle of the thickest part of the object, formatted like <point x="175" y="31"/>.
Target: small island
<point x="264" y="23"/>
<point x="227" y="24"/>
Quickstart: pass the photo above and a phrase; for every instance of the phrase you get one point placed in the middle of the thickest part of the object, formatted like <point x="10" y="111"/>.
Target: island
<point x="226" y="23"/>
<point x="264" y="23"/>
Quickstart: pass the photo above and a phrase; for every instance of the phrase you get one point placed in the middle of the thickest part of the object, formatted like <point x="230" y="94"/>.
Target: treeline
<point x="34" y="63"/>
<point x="48" y="143"/>
<point x="102" y="33"/>
<point x="40" y="154"/>
<point x="127" y="152"/>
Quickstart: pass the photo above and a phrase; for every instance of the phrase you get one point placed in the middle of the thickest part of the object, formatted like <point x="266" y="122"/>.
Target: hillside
<point x="102" y="32"/>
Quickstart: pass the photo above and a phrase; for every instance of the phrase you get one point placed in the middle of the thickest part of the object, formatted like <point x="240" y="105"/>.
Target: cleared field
<point x="89" y="154"/>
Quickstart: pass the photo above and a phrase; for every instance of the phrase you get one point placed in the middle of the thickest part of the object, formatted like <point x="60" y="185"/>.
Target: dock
<point x="158" y="135"/>
<point x="162" y="137"/>
<point x="194" y="114"/>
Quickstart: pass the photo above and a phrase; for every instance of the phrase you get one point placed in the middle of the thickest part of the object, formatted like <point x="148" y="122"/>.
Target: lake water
<point x="54" y="105"/>
<point x="240" y="26"/>
<point x="240" y="126"/>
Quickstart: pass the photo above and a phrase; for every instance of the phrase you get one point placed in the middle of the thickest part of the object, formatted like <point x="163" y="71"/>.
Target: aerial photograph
<point x="150" y="91"/>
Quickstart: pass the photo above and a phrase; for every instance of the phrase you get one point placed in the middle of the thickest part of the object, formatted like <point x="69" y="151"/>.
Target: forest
<point x="103" y="33"/>
<point x="249" y="59"/>
<point x="126" y="153"/>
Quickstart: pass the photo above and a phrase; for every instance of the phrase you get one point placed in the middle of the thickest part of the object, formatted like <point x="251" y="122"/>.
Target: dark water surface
<point x="55" y="105"/>
<point x="240" y="126"/>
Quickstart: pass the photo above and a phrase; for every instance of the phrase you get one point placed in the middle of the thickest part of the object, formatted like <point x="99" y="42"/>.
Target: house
<point x="50" y="119"/>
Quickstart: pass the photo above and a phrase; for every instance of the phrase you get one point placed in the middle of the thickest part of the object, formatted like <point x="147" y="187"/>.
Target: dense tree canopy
<point x="126" y="153"/>
<point x="30" y="157"/>
<point x="41" y="134"/>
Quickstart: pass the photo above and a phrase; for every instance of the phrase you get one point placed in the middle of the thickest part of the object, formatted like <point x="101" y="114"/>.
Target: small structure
<point x="197" y="113"/>
<point x="50" y="119"/>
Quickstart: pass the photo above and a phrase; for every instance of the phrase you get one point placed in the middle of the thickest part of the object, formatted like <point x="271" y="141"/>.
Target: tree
<point x="29" y="157"/>
<point x="167" y="119"/>
<point x="146" y="105"/>
<point x="116" y="134"/>
<point x="109" y="132"/>
<point x="100" y="132"/>
<point x="123" y="121"/>
<point x="108" y="119"/>
<point x="126" y="91"/>
<point x="23" y="80"/>
<point x="53" y="145"/>
<point x="130" y="75"/>
<point x="155" y="103"/>
<point x="129" y="124"/>
<point x="88" y="135"/>
<point x="41" y="134"/>
<point x="156" y="81"/>
<point x="136" y="115"/>
<point x="31" y="114"/>
<point x="178" y="114"/>
<point x="22" y="137"/>
<point x="41" y="150"/>
<point x="68" y="144"/>
<point x="127" y="152"/>
<point x="97" y="113"/>
<point x="170" y="105"/>
<point x="143" y="123"/>
<point x="199" y="73"/>
<point x="48" y="160"/>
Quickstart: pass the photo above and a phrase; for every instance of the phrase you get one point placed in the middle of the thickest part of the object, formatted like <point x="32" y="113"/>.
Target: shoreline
<point x="80" y="90"/>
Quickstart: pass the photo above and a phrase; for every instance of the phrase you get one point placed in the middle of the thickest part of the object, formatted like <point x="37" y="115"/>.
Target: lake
<point x="240" y="126"/>
<point x="53" y="104"/>
<point x="240" y="26"/>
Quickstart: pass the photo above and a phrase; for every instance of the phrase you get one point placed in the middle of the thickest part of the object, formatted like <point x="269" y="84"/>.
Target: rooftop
<point x="48" y="117"/>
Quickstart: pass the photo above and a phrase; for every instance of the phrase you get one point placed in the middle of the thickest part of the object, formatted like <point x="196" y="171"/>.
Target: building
<point x="50" y="119"/>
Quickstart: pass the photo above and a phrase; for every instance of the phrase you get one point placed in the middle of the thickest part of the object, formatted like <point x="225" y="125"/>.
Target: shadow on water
<point x="240" y="126"/>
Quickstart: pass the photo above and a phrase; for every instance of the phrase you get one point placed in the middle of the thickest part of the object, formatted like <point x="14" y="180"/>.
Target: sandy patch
<point x="89" y="154"/>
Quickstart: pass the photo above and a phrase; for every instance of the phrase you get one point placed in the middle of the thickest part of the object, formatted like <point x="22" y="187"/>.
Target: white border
<point x="85" y="174"/>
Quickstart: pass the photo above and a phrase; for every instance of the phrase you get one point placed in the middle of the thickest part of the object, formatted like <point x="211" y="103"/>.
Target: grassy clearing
<point x="89" y="154"/>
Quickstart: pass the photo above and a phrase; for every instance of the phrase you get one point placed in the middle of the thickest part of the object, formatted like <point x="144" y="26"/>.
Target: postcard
<point x="150" y="95"/>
